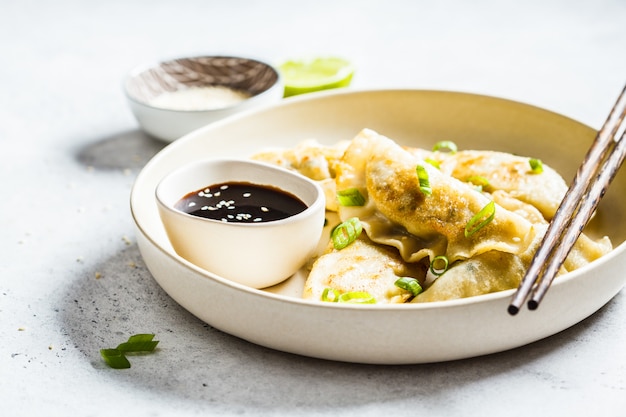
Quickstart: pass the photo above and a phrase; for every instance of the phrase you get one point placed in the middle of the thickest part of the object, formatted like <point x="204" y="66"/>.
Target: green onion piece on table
<point x="115" y="358"/>
<point x="139" y="343"/>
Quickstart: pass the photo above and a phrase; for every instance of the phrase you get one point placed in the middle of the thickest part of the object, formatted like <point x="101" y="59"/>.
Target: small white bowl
<point x="261" y="82"/>
<point x="258" y="255"/>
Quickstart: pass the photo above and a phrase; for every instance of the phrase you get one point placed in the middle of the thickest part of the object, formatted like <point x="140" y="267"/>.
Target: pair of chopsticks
<point x="599" y="167"/>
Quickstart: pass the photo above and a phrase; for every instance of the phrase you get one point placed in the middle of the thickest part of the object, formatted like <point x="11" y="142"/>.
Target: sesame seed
<point x="264" y="209"/>
<point x="247" y="194"/>
<point x="224" y="187"/>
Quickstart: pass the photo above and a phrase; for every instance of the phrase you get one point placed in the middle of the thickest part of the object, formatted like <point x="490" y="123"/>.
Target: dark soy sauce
<point x="241" y="202"/>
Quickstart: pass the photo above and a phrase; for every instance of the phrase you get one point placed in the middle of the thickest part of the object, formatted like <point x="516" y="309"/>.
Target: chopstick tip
<point x="533" y="304"/>
<point x="513" y="310"/>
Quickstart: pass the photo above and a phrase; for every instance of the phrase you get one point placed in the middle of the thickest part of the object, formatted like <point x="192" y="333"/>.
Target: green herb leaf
<point x="481" y="219"/>
<point x="346" y="233"/>
<point x="350" y="197"/>
<point x="409" y="284"/>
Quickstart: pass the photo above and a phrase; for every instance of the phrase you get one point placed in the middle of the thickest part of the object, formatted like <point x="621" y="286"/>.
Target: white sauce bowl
<point x="258" y="255"/>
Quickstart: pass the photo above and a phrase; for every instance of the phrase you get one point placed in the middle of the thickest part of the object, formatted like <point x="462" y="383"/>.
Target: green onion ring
<point x="345" y="233"/>
<point x="445" y="146"/>
<point x="536" y="166"/>
<point x="357" y="297"/>
<point x="439" y="271"/>
<point x="350" y="197"/>
<point x="422" y="177"/>
<point x="328" y="291"/>
<point x="481" y="219"/>
<point x="433" y="162"/>
<point x="409" y="284"/>
<point x="479" y="181"/>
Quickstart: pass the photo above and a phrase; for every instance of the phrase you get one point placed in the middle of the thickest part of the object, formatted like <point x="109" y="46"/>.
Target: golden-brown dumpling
<point x="362" y="266"/>
<point x="397" y="213"/>
<point x="510" y="173"/>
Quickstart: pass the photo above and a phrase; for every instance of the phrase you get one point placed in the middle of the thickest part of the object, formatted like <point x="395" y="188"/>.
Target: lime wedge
<point x="306" y="76"/>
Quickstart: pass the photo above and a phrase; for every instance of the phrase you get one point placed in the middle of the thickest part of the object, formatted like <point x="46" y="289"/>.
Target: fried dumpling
<point x="311" y="159"/>
<point x="397" y="213"/>
<point x="406" y="227"/>
<point x="362" y="266"/>
<point x="510" y="173"/>
<point x="483" y="274"/>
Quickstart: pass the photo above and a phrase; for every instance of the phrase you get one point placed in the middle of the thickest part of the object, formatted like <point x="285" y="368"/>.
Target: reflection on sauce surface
<point x="241" y="202"/>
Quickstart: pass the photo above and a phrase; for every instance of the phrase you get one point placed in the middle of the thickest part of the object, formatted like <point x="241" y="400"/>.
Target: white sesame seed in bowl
<point x="174" y="97"/>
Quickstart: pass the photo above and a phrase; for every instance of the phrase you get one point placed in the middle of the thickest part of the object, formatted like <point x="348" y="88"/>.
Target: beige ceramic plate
<point x="379" y="334"/>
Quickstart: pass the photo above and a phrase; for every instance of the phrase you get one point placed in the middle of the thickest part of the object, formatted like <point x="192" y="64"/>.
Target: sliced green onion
<point x="139" y="343"/>
<point x="357" y="297"/>
<point x="350" y="197"/>
<point x="422" y="176"/>
<point x="409" y="284"/>
<point x="479" y="181"/>
<point x="433" y="162"/>
<point x="327" y="291"/>
<point x="445" y="146"/>
<point x="346" y="233"/>
<point x="439" y="265"/>
<point x="536" y="166"/>
<point x="481" y="219"/>
<point x="115" y="358"/>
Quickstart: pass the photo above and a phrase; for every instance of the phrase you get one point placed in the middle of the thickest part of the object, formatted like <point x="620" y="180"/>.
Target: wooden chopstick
<point x="599" y="167"/>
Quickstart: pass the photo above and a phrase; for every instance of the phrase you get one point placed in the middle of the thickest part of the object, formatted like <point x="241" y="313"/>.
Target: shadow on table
<point x="124" y="150"/>
<point x="199" y="364"/>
